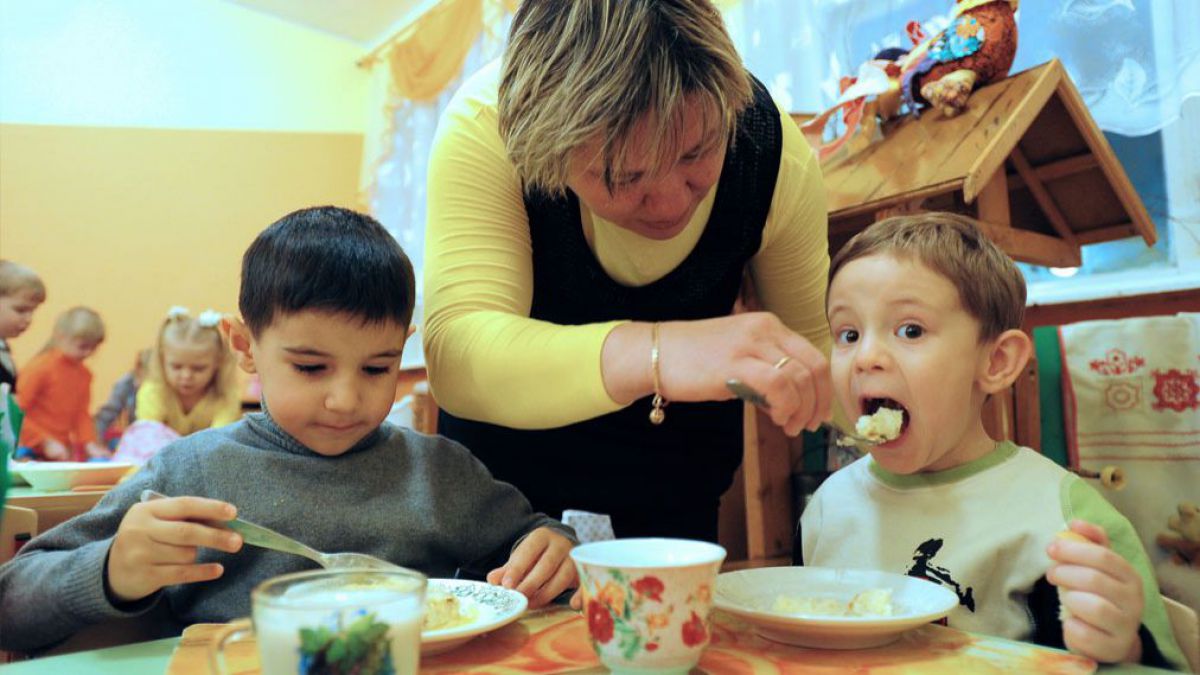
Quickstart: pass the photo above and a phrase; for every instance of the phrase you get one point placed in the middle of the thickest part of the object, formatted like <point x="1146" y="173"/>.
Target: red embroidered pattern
<point x="1123" y="396"/>
<point x="1176" y="390"/>
<point x="1117" y="362"/>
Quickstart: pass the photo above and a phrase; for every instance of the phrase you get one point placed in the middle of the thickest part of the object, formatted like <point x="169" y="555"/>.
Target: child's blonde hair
<point x="15" y="277"/>
<point x="180" y="328"/>
<point x="989" y="284"/>
<point x="77" y="322"/>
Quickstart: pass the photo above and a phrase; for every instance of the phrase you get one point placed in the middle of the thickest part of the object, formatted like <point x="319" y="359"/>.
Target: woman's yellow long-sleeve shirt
<point x="156" y="402"/>
<point x="487" y="359"/>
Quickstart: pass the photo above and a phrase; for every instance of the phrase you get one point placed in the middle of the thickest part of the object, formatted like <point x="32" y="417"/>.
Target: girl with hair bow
<point x="190" y="386"/>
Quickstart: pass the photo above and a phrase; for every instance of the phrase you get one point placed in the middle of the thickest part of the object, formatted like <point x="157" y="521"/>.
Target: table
<point x="555" y="641"/>
<point x="53" y="507"/>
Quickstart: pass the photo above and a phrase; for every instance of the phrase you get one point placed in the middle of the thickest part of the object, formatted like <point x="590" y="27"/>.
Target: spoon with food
<point x="257" y="535"/>
<point x="881" y="426"/>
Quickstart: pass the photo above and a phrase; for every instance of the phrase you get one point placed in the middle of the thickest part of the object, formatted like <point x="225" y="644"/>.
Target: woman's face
<point x="654" y="206"/>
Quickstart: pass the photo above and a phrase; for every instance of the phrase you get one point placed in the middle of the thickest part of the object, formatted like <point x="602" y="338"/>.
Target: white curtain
<point x="398" y="200"/>
<point x="398" y="196"/>
<point x="1134" y="61"/>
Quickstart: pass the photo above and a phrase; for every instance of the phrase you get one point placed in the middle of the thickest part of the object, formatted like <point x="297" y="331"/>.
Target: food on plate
<point x="793" y="604"/>
<point x="871" y="602"/>
<point x="443" y="610"/>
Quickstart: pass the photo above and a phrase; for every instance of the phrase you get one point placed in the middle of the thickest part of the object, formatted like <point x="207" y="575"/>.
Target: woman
<point x="594" y="203"/>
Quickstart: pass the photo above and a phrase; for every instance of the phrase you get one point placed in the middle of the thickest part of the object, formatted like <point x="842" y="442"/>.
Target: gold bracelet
<point x="657" y="415"/>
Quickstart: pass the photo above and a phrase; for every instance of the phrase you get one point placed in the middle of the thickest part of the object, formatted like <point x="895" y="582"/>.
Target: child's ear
<point x="1006" y="358"/>
<point x="237" y="335"/>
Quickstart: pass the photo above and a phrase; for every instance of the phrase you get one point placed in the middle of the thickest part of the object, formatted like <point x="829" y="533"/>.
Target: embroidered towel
<point x="1131" y="398"/>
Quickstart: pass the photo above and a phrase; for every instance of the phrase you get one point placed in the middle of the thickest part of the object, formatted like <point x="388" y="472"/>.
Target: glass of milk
<point x="364" y="621"/>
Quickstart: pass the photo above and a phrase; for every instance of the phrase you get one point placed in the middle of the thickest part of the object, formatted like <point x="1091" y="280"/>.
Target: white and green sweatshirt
<point x="981" y="530"/>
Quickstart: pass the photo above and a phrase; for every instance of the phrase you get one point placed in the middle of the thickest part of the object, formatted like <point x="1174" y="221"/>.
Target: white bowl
<point x="15" y="478"/>
<point x="61" y="476"/>
<point x="750" y="594"/>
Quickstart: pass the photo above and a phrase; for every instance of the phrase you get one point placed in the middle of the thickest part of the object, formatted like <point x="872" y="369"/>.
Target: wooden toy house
<point x="1025" y="158"/>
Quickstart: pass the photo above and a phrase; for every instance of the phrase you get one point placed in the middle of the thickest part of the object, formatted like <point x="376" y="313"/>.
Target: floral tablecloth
<point x="556" y="641"/>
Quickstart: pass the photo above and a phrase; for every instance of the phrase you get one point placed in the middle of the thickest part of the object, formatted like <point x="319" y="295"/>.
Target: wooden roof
<point x="1025" y="157"/>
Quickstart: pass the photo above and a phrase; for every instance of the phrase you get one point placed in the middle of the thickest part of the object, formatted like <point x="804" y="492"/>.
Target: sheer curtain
<point x="397" y="194"/>
<point x="1136" y="63"/>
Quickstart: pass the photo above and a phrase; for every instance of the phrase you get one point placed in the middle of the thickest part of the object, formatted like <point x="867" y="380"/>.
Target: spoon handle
<point x="751" y="395"/>
<point x="257" y="535"/>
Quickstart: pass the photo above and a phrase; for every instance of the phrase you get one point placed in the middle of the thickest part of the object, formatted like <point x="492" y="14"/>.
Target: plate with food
<point x="457" y="610"/>
<point x="831" y="608"/>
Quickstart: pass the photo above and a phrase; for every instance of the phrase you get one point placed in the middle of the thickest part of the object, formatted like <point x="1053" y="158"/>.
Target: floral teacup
<point x="647" y="601"/>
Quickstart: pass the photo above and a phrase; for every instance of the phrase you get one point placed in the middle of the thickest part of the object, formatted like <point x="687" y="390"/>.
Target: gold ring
<point x="781" y="362"/>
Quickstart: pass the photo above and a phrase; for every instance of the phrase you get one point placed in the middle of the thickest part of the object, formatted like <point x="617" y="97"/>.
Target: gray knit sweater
<point x="420" y="501"/>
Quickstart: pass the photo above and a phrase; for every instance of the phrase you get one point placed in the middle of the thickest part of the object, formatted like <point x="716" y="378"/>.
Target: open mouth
<point x="871" y="405"/>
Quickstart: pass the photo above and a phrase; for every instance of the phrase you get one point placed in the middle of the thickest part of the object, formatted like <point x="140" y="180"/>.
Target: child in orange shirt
<point x="55" y="391"/>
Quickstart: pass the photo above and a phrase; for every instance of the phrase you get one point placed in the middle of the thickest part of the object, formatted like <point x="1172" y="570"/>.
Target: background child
<point x="926" y="315"/>
<point x="191" y="384"/>
<point x="21" y="291"/>
<point x="122" y="400"/>
<point x="326" y="298"/>
<point x="56" y="390"/>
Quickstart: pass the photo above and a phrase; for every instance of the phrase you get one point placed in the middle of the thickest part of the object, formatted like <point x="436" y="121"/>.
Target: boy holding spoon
<point x="326" y="300"/>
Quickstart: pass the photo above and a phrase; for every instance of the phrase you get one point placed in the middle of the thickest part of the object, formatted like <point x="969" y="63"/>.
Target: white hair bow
<point x="209" y="318"/>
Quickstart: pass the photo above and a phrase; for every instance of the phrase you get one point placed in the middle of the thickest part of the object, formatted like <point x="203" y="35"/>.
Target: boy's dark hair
<point x="329" y="259"/>
<point x="989" y="284"/>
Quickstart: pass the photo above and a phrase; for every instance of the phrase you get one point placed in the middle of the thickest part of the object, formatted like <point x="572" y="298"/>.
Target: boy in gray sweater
<point x="326" y="299"/>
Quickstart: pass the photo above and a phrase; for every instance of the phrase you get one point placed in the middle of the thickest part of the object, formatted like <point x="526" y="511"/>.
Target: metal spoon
<point x="752" y="396"/>
<point x="263" y="537"/>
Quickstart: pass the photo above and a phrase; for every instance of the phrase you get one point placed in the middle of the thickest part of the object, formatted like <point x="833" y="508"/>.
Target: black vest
<point x="662" y="480"/>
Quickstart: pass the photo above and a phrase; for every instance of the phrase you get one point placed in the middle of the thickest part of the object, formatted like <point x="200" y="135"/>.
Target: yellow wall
<point x="132" y="221"/>
<point x="144" y="144"/>
<point x="175" y="64"/>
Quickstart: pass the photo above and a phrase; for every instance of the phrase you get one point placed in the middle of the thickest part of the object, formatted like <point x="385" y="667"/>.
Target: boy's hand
<point x="54" y="451"/>
<point x="539" y="568"/>
<point x="96" y="450"/>
<point x="156" y="544"/>
<point x="1102" y="592"/>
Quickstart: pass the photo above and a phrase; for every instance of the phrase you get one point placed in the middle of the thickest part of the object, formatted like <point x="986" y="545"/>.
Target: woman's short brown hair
<point x="578" y="70"/>
<point x="989" y="284"/>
